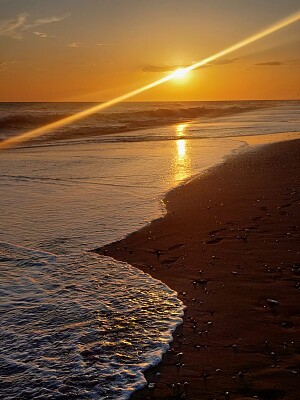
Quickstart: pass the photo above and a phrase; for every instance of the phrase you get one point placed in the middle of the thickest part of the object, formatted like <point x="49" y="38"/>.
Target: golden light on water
<point x="181" y="148"/>
<point x="181" y="142"/>
<point x="179" y="73"/>
<point x="182" y="162"/>
<point x="180" y="129"/>
<point x="181" y="159"/>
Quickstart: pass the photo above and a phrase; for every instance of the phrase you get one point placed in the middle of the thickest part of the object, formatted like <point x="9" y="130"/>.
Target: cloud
<point x="43" y="35"/>
<point x="269" y="64"/>
<point x="5" y="64"/>
<point x="42" y="21"/>
<point x="15" y="27"/>
<point x="104" y="44"/>
<point x="224" y="61"/>
<point x="76" y="44"/>
<point x="161" y="68"/>
<point x="170" y="68"/>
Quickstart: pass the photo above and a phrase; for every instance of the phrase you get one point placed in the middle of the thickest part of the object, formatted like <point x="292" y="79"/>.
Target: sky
<point x="94" y="50"/>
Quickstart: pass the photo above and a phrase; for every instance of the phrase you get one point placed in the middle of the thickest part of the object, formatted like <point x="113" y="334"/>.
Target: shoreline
<point x="209" y="247"/>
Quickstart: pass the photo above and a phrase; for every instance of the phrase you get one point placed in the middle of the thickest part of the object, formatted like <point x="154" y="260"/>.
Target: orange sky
<point x="96" y="50"/>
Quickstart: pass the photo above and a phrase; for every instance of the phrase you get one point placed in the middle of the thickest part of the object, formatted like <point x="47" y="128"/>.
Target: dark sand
<point x="229" y="242"/>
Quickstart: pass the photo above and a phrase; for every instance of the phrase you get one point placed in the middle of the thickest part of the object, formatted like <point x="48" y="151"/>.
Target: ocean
<point x="75" y="324"/>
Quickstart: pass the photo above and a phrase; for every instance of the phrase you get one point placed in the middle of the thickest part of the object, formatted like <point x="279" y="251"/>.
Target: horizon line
<point x="147" y="101"/>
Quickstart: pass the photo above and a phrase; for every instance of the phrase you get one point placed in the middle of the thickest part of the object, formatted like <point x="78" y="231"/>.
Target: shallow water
<point x="63" y="330"/>
<point x="78" y="325"/>
<point x="82" y="196"/>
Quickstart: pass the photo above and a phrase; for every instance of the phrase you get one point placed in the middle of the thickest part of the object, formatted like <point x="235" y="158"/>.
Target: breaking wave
<point x="112" y="122"/>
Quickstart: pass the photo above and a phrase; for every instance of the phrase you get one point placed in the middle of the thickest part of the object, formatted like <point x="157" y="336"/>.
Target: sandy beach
<point x="149" y="196"/>
<point x="229" y="245"/>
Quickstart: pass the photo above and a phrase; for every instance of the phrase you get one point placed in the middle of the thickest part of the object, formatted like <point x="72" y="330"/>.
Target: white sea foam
<point x="79" y="325"/>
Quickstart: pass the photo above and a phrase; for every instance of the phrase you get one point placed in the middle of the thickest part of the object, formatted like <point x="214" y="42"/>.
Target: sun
<point x="180" y="73"/>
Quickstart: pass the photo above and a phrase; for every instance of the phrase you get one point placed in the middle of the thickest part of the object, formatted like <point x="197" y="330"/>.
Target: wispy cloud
<point x="224" y="61"/>
<point x="49" y="20"/>
<point x="5" y="64"/>
<point x="76" y="44"/>
<point x="278" y="63"/>
<point x="161" y="68"/>
<point x="80" y="44"/>
<point x="15" y="27"/>
<point x="269" y="64"/>
<point x="169" y="68"/>
<point x="43" y="35"/>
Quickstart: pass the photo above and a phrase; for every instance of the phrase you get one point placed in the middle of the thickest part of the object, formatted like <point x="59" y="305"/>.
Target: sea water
<point x="75" y="324"/>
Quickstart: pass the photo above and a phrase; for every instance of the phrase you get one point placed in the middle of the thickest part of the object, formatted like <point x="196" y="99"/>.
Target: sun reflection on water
<point x="181" y="149"/>
<point x="180" y="129"/>
<point x="181" y="164"/>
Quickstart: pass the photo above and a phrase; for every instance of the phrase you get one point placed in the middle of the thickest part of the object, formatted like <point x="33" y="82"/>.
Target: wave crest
<point x="114" y="122"/>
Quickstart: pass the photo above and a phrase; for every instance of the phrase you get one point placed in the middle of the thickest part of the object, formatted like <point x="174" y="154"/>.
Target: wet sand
<point x="229" y="245"/>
